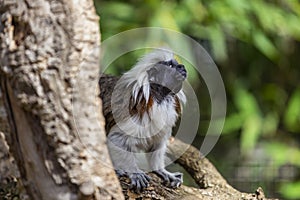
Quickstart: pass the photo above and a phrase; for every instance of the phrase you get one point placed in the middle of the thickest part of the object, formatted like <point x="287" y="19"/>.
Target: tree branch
<point x="211" y="184"/>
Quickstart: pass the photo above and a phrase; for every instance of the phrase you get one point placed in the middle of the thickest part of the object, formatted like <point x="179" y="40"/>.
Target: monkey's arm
<point x="122" y="151"/>
<point x="156" y="161"/>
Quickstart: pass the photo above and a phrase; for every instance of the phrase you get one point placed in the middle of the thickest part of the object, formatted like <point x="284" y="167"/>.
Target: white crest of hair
<point x="138" y="74"/>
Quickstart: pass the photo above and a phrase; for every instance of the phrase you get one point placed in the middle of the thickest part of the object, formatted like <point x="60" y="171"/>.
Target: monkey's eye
<point x="167" y="63"/>
<point x="174" y="62"/>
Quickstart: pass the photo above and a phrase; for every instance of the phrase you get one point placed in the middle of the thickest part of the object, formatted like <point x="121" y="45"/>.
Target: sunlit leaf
<point x="292" y="114"/>
<point x="218" y="42"/>
<point x="277" y="152"/>
<point x="293" y="5"/>
<point x="293" y="26"/>
<point x="246" y="102"/>
<point x="270" y="124"/>
<point x="250" y="133"/>
<point x="290" y="190"/>
<point x="238" y="5"/>
<point x="163" y="17"/>
<point x="252" y="121"/>
<point x="283" y="153"/>
<point x="264" y="44"/>
<point x="195" y="9"/>
<point x="232" y="123"/>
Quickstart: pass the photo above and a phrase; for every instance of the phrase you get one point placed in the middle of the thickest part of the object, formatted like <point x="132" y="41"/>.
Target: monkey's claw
<point x="172" y="180"/>
<point x="139" y="181"/>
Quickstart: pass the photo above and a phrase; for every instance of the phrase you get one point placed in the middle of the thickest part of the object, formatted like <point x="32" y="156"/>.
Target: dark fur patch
<point x="177" y="106"/>
<point x="140" y="107"/>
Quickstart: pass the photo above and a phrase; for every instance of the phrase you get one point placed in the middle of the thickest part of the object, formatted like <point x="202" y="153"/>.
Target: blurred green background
<point x="255" y="45"/>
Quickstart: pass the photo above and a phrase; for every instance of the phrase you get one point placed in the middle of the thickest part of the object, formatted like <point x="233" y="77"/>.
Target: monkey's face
<point x="168" y="74"/>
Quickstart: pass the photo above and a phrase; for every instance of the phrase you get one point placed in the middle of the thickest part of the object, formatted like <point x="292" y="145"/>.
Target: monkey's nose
<point x="181" y="69"/>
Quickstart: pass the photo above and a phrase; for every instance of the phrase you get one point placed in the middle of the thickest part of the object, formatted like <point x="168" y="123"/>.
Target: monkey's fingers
<point x="172" y="180"/>
<point x="139" y="181"/>
<point x="163" y="175"/>
<point x="175" y="183"/>
<point x="120" y="172"/>
<point x="178" y="175"/>
<point x="176" y="179"/>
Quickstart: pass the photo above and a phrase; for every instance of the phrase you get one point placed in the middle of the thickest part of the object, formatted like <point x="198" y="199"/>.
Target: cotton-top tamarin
<point x="140" y="109"/>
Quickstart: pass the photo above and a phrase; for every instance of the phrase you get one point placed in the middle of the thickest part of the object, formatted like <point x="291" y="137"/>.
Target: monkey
<point x="140" y="108"/>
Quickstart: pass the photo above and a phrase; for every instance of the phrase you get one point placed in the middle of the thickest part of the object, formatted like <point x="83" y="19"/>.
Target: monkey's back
<point x="107" y="84"/>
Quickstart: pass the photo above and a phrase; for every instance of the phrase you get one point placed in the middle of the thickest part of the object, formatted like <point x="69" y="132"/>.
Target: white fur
<point x="152" y="130"/>
<point x="162" y="117"/>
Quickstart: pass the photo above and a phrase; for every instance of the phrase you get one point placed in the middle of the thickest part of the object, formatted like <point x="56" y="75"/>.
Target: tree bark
<point x="49" y="70"/>
<point x="51" y="116"/>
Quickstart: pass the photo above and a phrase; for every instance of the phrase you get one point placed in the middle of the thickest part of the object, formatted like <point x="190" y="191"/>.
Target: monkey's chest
<point x="157" y="120"/>
<point x="155" y="126"/>
<point x="149" y="130"/>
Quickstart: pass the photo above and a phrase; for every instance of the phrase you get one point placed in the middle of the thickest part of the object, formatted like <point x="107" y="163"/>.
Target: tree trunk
<point x="49" y="70"/>
<point x="51" y="116"/>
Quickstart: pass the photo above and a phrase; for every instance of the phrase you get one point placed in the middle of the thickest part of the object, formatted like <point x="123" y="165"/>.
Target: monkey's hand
<point x="139" y="181"/>
<point x="173" y="180"/>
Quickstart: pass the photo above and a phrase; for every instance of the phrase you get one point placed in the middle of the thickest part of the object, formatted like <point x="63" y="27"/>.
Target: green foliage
<point x="256" y="45"/>
<point x="282" y="154"/>
<point x="292" y="114"/>
<point x="291" y="190"/>
<point x="262" y="24"/>
<point x="248" y="119"/>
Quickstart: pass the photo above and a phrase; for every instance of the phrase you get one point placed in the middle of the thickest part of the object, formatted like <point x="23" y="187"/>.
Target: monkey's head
<point x="167" y="76"/>
<point x="157" y="73"/>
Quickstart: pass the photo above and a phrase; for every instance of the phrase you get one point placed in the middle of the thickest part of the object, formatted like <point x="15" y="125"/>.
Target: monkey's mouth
<point x="182" y="71"/>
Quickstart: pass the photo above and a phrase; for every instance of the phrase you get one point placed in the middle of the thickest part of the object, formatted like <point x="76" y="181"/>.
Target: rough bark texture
<point x="50" y="113"/>
<point x="7" y="165"/>
<point x="48" y="70"/>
